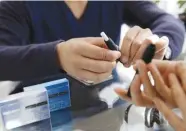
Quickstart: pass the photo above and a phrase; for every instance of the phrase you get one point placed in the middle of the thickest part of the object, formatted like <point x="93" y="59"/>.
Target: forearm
<point x="28" y="62"/>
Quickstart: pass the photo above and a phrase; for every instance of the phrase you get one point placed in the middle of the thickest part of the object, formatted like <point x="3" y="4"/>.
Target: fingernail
<point x="166" y="39"/>
<point x="127" y="65"/>
<point x="118" y="90"/>
<point x="116" y="53"/>
<point x="124" y="59"/>
<point x="154" y="39"/>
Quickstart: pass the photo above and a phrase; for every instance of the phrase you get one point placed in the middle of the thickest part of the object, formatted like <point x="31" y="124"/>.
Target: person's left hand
<point x="160" y="71"/>
<point x="139" y="97"/>
<point x="136" y="41"/>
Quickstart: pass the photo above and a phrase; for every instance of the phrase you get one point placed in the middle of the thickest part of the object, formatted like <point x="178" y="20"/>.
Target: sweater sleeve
<point x="19" y="58"/>
<point x="147" y="15"/>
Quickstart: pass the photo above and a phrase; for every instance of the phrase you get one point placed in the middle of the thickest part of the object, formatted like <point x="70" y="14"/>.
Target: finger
<point x="135" y="67"/>
<point x="136" y="94"/>
<point x="181" y="74"/>
<point x="165" y="67"/>
<point x="137" y="43"/>
<point x="96" y="66"/>
<point x="138" y="98"/>
<point x="152" y="39"/>
<point x="161" y="47"/>
<point x="97" y="41"/>
<point x="160" y="85"/>
<point x="92" y="76"/>
<point x="178" y="93"/>
<point x="172" y="118"/>
<point x="127" y="41"/>
<point x="122" y="93"/>
<point x="94" y="52"/>
<point x="143" y="73"/>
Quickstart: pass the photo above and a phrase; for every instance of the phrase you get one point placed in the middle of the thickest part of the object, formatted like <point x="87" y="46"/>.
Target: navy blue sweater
<point x="29" y="31"/>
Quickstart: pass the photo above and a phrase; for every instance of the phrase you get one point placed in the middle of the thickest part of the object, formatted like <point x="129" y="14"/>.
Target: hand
<point x="138" y="97"/>
<point x="136" y="41"/>
<point x="178" y="91"/>
<point x="87" y="58"/>
<point x="160" y="71"/>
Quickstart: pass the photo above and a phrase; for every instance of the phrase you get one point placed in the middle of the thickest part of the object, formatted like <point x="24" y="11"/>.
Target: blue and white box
<point x="58" y="93"/>
<point x="23" y="109"/>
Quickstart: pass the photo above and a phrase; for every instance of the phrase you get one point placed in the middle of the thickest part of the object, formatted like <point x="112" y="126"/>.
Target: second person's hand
<point x="136" y="41"/>
<point x="160" y="71"/>
<point x="178" y="93"/>
<point x="87" y="58"/>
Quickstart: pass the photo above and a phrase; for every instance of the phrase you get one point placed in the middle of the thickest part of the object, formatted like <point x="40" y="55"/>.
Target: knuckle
<point x="128" y="38"/>
<point x="137" y="27"/>
<point x="183" y="65"/>
<point x="88" y="65"/>
<point x="103" y="54"/>
<point x="137" y="42"/>
<point x="148" y="30"/>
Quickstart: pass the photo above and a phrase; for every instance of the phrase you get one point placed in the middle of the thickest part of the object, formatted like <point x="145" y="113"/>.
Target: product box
<point x="58" y="93"/>
<point x="44" y="125"/>
<point x="19" y="110"/>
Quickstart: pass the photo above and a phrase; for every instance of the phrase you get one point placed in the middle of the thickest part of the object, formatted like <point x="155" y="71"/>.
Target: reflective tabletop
<point x="109" y="120"/>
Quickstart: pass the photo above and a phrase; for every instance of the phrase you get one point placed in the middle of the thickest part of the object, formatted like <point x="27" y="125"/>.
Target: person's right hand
<point x="178" y="93"/>
<point x="87" y="58"/>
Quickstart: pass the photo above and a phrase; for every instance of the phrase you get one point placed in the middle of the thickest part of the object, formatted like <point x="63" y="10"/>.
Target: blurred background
<point x="178" y="9"/>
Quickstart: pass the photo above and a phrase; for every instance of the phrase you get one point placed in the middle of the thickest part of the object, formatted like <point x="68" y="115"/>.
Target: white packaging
<point x="24" y="108"/>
